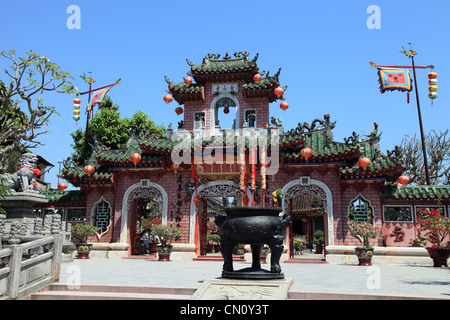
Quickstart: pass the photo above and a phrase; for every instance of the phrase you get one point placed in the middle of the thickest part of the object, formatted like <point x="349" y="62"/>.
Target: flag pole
<point x="87" y="126"/>
<point x="424" y="150"/>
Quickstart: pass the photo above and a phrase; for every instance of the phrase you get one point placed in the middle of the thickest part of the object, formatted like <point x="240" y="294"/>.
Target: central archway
<point x="304" y="186"/>
<point x="211" y="189"/>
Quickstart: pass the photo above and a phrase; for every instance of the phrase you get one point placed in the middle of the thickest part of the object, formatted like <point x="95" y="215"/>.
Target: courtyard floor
<point x="384" y="280"/>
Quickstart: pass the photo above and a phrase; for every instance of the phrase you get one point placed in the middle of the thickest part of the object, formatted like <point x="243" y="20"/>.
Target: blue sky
<point x="323" y="48"/>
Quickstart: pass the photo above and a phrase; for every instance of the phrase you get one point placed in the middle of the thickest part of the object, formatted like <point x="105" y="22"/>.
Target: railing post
<point x="57" y="254"/>
<point x="14" y="274"/>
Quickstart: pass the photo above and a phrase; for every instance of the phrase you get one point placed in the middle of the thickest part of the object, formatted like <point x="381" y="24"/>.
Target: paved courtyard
<point x="389" y="280"/>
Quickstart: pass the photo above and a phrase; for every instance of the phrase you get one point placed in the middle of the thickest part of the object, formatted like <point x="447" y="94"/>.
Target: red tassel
<point x="407" y="97"/>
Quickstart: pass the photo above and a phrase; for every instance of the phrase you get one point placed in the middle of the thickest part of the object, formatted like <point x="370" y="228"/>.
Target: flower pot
<point x="152" y="247"/>
<point x="439" y="256"/>
<point x="364" y="256"/>
<point x="164" y="252"/>
<point x="83" y="250"/>
<point x="319" y="249"/>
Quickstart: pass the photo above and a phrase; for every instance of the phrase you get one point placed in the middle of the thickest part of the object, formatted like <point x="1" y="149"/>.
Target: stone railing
<point x="30" y="254"/>
<point x="28" y="267"/>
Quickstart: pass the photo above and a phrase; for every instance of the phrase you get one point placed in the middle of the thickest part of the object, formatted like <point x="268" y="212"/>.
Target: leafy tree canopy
<point x="111" y="130"/>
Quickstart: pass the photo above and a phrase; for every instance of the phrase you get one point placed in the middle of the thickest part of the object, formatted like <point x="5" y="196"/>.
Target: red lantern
<point x="62" y="185"/>
<point x="196" y="200"/>
<point x="278" y="92"/>
<point x="432" y="75"/>
<point x="257" y="77"/>
<point x="76" y="101"/>
<point x="284" y="105"/>
<point x="364" y="162"/>
<point x="168" y="98"/>
<point x="306" y="153"/>
<point x="187" y="80"/>
<point x="404" y="180"/>
<point x="226" y="110"/>
<point x="135" y="158"/>
<point x="175" y="167"/>
<point x="179" y="110"/>
<point x="89" y="169"/>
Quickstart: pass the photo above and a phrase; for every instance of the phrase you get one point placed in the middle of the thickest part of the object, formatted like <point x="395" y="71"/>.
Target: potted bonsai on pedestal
<point x="318" y="241"/>
<point x="435" y="228"/>
<point x="148" y="225"/>
<point x="165" y="234"/>
<point x="364" y="231"/>
<point x="81" y="232"/>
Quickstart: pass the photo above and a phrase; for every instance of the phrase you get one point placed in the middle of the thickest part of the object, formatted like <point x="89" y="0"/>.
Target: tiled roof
<point x="64" y="196"/>
<point x="417" y="192"/>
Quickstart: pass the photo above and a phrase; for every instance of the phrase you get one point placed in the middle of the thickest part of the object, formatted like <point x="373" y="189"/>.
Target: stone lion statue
<point x="22" y="179"/>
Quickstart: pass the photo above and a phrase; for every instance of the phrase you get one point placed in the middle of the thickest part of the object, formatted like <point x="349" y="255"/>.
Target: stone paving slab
<point x="400" y="280"/>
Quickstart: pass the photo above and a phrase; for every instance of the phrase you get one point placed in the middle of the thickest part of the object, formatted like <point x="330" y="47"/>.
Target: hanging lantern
<point x="179" y="110"/>
<point x="257" y="77"/>
<point x="306" y="153"/>
<point x="77" y="106"/>
<point x="364" y="162"/>
<point x="168" y="98"/>
<point x="432" y="75"/>
<point x="76" y="101"/>
<point x="89" y="169"/>
<point x="62" y="186"/>
<point x="433" y="86"/>
<point x="135" y="158"/>
<point x="187" y="80"/>
<point x="76" y="112"/>
<point x="404" y="180"/>
<point x="284" y="106"/>
<point x="278" y="92"/>
<point x="175" y="167"/>
<point x="226" y="110"/>
<point x="76" y="117"/>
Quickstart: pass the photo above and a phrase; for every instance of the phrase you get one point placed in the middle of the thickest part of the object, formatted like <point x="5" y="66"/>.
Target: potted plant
<point x="213" y="236"/>
<point x="299" y="245"/>
<point x="364" y="231"/>
<point x="277" y="197"/>
<point x="318" y="241"/>
<point x="435" y="228"/>
<point x="147" y="225"/>
<point x="165" y="234"/>
<point x="81" y="232"/>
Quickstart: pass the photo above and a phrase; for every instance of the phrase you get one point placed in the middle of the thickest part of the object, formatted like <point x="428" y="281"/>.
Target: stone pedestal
<point x="224" y="289"/>
<point x="19" y="205"/>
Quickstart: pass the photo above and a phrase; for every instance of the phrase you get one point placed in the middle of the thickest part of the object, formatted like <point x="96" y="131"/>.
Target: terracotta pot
<point x="439" y="256"/>
<point x="164" y="252"/>
<point x="364" y="256"/>
<point x="152" y="247"/>
<point x="83" y="250"/>
<point x="319" y="249"/>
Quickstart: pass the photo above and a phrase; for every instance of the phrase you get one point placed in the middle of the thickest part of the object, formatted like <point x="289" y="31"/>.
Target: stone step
<point x="59" y="291"/>
<point x="306" y="260"/>
<point x="218" y="258"/>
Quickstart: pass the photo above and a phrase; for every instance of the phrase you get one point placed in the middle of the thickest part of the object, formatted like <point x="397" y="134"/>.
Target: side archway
<point x="307" y="186"/>
<point x="142" y="189"/>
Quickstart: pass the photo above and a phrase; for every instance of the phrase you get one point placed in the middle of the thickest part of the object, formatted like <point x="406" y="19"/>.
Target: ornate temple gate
<point x="198" y="219"/>
<point x="307" y="199"/>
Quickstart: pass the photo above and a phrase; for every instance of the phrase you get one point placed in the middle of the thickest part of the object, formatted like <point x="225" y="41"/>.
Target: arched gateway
<point x="307" y="186"/>
<point x="143" y="189"/>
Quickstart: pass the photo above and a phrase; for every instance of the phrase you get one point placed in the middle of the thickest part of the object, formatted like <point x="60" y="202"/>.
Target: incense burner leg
<point x="276" y="249"/>
<point x="256" y="255"/>
<point x="226" y="248"/>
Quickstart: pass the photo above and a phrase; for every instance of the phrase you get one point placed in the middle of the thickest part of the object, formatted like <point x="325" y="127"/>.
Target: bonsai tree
<point x="148" y="225"/>
<point x="82" y="231"/>
<point x="318" y="238"/>
<point x="363" y="231"/>
<point x="166" y="233"/>
<point x="435" y="228"/>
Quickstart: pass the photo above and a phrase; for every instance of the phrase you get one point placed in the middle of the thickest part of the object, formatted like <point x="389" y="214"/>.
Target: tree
<point x="108" y="128"/>
<point x="438" y="154"/>
<point x="26" y="80"/>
